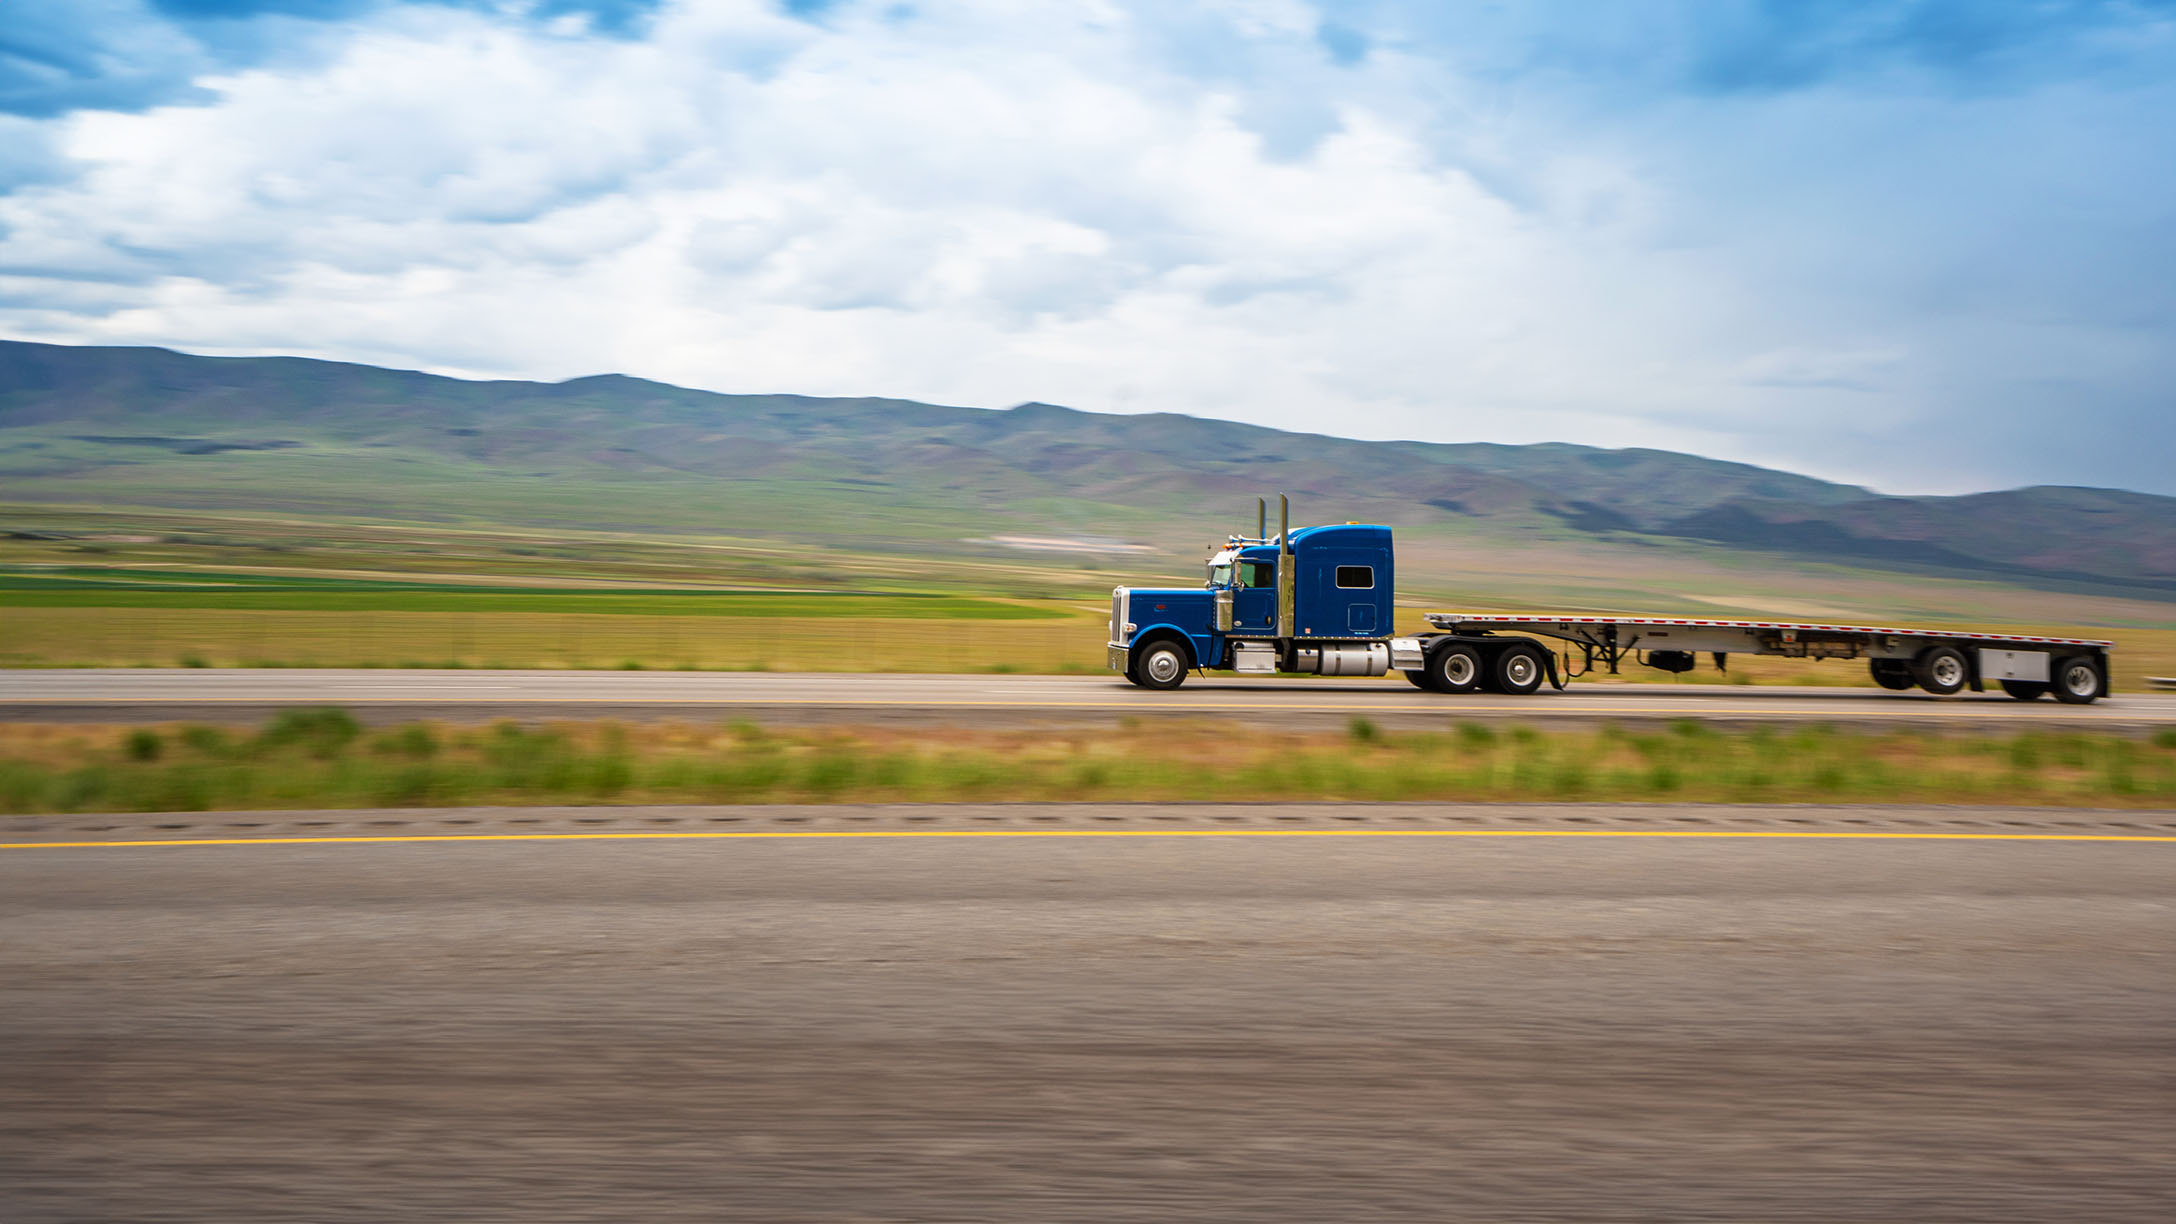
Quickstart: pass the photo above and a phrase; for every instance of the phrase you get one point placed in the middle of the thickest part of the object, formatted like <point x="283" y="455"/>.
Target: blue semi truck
<point x="1319" y="601"/>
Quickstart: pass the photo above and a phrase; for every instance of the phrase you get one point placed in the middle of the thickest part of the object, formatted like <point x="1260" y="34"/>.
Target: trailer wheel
<point x="1941" y="670"/>
<point x="1456" y="668"/>
<point x="1519" y="670"/>
<point x="1892" y="674"/>
<point x="1160" y="665"/>
<point x="2078" y="680"/>
<point x="2025" y="690"/>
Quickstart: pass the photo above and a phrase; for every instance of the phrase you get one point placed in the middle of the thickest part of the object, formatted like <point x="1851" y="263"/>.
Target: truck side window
<point x="1356" y="577"/>
<point x="1257" y="574"/>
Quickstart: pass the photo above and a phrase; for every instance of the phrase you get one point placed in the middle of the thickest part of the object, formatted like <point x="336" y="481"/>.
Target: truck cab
<point x="1313" y="601"/>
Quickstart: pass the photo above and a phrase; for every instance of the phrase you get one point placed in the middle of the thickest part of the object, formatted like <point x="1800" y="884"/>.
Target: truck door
<point x="1254" y="604"/>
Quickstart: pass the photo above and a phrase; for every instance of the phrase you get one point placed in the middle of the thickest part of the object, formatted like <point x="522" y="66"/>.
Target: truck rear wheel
<point x="1941" y="670"/>
<point x="1519" y="670"/>
<point x="2025" y="690"/>
<point x="1456" y="668"/>
<point x="1892" y="674"/>
<point x="2078" y="680"/>
<point x="1160" y="665"/>
<point x="1419" y="677"/>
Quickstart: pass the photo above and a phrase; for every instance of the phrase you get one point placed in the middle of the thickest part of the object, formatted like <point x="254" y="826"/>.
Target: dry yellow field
<point x="218" y="637"/>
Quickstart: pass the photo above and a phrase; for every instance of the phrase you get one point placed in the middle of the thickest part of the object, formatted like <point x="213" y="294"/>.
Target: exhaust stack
<point x="1287" y="581"/>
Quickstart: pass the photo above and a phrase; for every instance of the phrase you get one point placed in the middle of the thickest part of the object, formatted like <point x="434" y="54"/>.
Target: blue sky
<point x="1928" y="246"/>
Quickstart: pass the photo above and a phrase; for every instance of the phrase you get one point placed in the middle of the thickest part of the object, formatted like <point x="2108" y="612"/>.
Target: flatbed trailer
<point x="1942" y="661"/>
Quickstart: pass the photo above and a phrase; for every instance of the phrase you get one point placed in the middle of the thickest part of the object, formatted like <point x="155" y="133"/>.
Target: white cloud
<point x="981" y="204"/>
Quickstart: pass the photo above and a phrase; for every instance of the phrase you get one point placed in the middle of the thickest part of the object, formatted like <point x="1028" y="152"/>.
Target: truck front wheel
<point x="1160" y="665"/>
<point x="1456" y="668"/>
<point x="2078" y="680"/>
<point x="1519" y="670"/>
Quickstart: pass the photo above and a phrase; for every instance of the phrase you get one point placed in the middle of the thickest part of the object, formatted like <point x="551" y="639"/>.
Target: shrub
<point x="322" y="731"/>
<point x="205" y="741"/>
<point x="143" y="744"/>
<point x="1363" y="731"/>
<point x="413" y="740"/>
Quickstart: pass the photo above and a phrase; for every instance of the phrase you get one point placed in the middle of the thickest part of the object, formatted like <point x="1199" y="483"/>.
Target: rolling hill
<point x="150" y="427"/>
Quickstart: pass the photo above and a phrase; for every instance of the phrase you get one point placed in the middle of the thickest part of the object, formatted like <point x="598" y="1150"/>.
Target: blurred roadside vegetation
<point x="324" y="758"/>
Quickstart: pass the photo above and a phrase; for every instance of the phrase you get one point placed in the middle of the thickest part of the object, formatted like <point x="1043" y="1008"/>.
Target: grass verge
<point x="325" y="759"/>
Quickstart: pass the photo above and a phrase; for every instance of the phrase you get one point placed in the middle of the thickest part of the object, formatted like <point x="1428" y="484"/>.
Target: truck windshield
<point x="1220" y="575"/>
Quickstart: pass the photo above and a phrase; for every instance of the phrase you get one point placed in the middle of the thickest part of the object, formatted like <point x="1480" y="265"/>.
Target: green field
<point x="325" y="759"/>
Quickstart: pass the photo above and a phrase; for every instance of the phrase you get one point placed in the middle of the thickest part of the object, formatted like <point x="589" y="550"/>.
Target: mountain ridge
<point x="77" y="423"/>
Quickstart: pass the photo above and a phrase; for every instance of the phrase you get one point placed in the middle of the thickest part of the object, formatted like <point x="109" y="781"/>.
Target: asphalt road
<point x="107" y="695"/>
<point x="1245" y="1026"/>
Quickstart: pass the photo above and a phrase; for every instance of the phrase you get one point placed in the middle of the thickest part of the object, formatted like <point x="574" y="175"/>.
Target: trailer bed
<point x="1575" y="628"/>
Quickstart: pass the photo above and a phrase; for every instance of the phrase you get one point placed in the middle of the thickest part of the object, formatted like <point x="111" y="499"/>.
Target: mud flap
<point x="1548" y="663"/>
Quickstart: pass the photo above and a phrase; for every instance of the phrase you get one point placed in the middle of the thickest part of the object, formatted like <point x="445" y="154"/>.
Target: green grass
<point x="323" y="758"/>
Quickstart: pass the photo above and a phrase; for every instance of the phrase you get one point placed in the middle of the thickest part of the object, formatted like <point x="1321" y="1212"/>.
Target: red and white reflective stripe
<point x="1442" y="619"/>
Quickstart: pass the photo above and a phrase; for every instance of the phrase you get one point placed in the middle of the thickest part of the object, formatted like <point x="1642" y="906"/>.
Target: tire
<point x="1519" y="670"/>
<point x="1161" y="665"/>
<point x="2026" y="690"/>
<point x="1941" y="670"/>
<point x="1892" y="674"/>
<point x="1456" y="668"/>
<point x="2079" y="680"/>
<point x="1419" y="677"/>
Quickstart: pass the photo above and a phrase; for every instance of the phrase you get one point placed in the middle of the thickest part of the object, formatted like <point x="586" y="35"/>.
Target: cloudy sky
<point x="1928" y="246"/>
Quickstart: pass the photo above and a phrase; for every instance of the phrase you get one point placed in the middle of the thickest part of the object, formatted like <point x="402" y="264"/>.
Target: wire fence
<point x="202" y="637"/>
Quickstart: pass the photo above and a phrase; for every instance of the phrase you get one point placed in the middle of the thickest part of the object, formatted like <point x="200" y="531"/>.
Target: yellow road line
<point x="782" y="834"/>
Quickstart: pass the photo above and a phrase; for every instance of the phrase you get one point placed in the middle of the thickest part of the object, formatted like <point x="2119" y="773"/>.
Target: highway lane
<point x="999" y="1028"/>
<point x="384" y="695"/>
